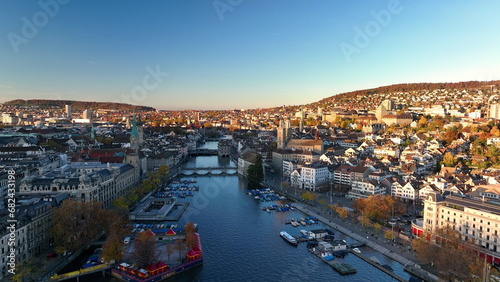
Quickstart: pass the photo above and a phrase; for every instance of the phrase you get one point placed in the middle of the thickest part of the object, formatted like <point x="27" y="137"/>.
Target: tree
<point x="76" y="223"/>
<point x="24" y="270"/>
<point x="181" y="246"/>
<point x="451" y="256"/>
<point x="343" y="213"/>
<point x="364" y="220"/>
<point x="169" y="249"/>
<point x="379" y="207"/>
<point x="255" y="172"/>
<point x="376" y="226"/>
<point x="425" y="250"/>
<point x="422" y="122"/>
<point x="120" y="202"/>
<point x="449" y="160"/>
<point x="449" y="136"/>
<point x="113" y="248"/>
<point x="389" y="235"/>
<point x="191" y="240"/>
<point x="114" y="222"/>
<point x="309" y="196"/>
<point x="495" y="131"/>
<point x="145" y="249"/>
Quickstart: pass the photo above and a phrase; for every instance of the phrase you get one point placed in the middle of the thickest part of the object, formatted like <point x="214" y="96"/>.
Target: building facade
<point x="84" y="181"/>
<point x="477" y="221"/>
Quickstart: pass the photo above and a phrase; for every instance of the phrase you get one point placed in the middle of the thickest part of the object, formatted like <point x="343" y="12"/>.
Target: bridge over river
<point x="210" y="171"/>
<point x="203" y="152"/>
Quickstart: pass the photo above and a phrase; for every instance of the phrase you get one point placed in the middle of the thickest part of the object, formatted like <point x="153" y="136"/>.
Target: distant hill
<point x="408" y="87"/>
<point x="75" y="105"/>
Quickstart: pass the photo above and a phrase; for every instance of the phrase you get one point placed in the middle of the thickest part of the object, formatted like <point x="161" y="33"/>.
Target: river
<point x="241" y="242"/>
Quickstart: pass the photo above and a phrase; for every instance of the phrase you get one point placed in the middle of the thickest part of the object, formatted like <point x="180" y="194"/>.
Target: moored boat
<point x="289" y="238"/>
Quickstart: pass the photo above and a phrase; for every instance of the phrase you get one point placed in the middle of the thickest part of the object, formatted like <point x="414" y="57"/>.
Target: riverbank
<point x="346" y="228"/>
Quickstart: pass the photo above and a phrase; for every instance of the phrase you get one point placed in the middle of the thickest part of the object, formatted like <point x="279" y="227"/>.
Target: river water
<point x="241" y="242"/>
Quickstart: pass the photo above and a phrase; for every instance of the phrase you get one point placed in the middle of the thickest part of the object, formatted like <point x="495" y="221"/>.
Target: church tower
<point x="134" y="136"/>
<point x="281" y="135"/>
<point x="301" y="125"/>
<point x="380" y="112"/>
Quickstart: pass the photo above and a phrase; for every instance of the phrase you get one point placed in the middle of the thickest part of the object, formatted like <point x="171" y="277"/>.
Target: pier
<point x="339" y="266"/>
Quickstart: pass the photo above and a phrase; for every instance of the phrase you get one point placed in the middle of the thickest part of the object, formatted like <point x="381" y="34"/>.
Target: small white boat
<point x="304" y="232"/>
<point x="303" y="223"/>
<point x="267" y="210"/>
<point x="356" y="250"/>
<point x="325" y="254"/>
<point x="294" y="223"/>
<point x="256" y="197"/>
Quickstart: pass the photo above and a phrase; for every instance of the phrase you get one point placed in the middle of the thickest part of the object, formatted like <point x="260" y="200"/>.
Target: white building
<point x="404" y="191"/>
<point x="313" y="177"/>
<point x="244" y="161"/>
<point x="342" y="175"/>
<point x="365" y="188"/>
<point x="475" y="220"/>
<point x="289" y="167"/>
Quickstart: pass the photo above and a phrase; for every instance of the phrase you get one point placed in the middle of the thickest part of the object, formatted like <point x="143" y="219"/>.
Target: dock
<point x="341" y="267"/>
<point x="377" y="265"/>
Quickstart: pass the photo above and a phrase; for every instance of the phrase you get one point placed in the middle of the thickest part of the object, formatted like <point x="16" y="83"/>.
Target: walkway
<point x="81" y="272"/>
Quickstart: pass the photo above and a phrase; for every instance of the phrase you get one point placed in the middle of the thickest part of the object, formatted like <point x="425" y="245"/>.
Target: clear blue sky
<point x="254" y="54"/>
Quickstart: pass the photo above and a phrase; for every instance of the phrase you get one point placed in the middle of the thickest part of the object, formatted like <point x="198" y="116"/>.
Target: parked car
<point x="51" y="255"/>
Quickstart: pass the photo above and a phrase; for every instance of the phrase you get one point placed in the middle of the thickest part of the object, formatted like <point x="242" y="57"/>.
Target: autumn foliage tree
<point x="113" y="248"/>
<point x="145" y="249"/>
<point x="76" y="224"/>
<point x="191" y="240"/>
<point x="449" y="160"/>
<point x="379" y="207"/>
<point x="454" y="258"/>
<point x="342" y="212"/>
<point x="116" y="226"/>
<point x="309" y="196"/>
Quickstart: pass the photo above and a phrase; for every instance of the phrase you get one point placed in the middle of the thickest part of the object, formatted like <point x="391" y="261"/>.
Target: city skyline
<point x="238" y="54"/>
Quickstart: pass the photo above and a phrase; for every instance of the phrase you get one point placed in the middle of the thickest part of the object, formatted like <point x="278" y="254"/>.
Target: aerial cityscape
<point x="249" y="141"/>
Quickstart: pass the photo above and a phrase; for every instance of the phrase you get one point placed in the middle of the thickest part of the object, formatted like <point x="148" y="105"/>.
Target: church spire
<point x="134" y="128"/>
